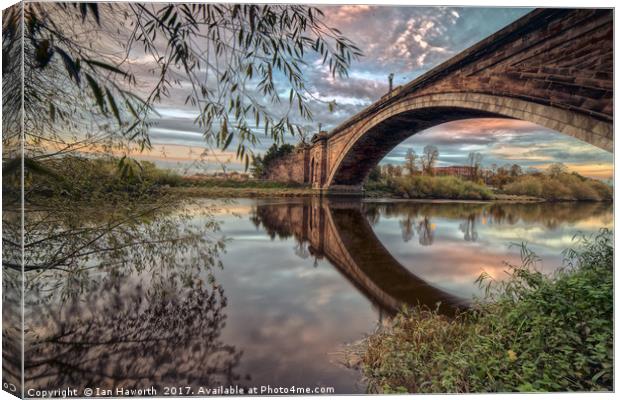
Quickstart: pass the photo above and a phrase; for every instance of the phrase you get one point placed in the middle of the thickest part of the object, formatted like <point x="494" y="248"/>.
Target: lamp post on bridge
<point x="391" y="81"/>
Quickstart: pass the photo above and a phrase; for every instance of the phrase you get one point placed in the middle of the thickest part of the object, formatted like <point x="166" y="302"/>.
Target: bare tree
<point x="410" y="161"/>
<point x="556" y="169"/>
<point x="429" y="158"/>
<point x="516" y="170"/>
<point x="474" y="159"/>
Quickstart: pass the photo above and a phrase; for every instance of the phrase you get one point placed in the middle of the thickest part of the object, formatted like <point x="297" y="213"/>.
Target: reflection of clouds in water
<point x="286" y="314"/>
<point x="453" y="268"/>
<point x="455" y="260"/>
<point x="594" y="223"/>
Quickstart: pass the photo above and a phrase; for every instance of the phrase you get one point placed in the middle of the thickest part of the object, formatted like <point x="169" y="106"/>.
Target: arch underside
<point x="371" y="140"/>
<point x="384" y="137"/>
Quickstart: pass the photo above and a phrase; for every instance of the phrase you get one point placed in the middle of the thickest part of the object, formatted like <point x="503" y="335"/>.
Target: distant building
<point x="462" y="171"/>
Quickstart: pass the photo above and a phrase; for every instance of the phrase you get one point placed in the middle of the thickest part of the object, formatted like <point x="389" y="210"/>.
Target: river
<point x="298" y="279"/>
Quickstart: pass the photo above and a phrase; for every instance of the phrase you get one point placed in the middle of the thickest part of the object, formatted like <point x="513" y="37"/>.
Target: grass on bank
<point x="85" y="179"/>
<point x="209" y="182"/>
<point x="531" y="332"/>
<point x="561" y="187"/>
<point x="232" y="192"/>
<point x="430" y="187"/>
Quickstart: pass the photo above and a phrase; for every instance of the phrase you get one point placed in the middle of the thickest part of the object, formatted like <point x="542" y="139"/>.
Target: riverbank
<point x="416" y="188"/>
<point x="258" y="192"/>
<point x="532" y="187"/>
<point x="419" y="187"/>
<point x="240" y="192"/>
<point x="499" y="197"/>
<point x="255" y="192"/>
<point x="532" y="332"/>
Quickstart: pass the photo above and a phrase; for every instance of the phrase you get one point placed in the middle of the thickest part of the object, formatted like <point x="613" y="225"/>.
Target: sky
<point x="405" y="41"/>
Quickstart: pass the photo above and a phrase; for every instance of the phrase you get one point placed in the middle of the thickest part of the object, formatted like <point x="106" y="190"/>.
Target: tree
<point x="392" y="171"/>
<point x="398" y="171"/>
<point x="556" y="169"/>
<point x="501" y="176"/>
<point x="410" y="161"/>
<point x="429" y="158"/>
<point x="407" y="229"/>
<point x="425" y="231"/>
<point x="77" y="74"/>
<point x="516" y="170"/>
<point x="260" y="165"/>
<point x="257" y="169"/>
<point x="375" y="174"/>
<point x="474" y="159"/>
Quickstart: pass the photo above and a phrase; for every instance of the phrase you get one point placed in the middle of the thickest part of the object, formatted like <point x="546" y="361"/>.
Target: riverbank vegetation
<point x="530" y="332"/>
<point x="472" y="182"/>
<point x="261" y="163"/>
<point x="110" y="176"/>
<point x="118" y="180"/>
<point x="82" y="179"/>
<point x="241" y="192"/>
<point x="561" y="187"/>
<point x="429" y="187"/>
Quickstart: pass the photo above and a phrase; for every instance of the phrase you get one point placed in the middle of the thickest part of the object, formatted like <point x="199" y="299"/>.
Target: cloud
<point x="502" y="141"/>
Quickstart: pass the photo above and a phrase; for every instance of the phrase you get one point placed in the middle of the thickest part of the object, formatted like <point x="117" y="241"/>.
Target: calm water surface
<point x="303" y="277"/>
<point x="299" y="279"/>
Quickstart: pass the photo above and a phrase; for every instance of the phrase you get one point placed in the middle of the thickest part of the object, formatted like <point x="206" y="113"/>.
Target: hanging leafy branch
<point x="232" y="56"/>
<point x="241" y="67"/>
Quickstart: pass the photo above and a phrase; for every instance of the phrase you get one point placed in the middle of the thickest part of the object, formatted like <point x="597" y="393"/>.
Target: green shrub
<point x="435" y="187"/>
<point x="604" y="191"/>
<point x="564" y="186"/>
<point x="83" y="178"/>
<point x="531" y="332"/>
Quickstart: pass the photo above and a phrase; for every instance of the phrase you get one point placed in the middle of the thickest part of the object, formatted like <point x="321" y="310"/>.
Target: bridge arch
<point x="366" y="143"/>
<point x="552" y="67"/>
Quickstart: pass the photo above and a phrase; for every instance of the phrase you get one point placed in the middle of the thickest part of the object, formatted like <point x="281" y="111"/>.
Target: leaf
<point x="43" y="53"/>
<point x="72" y="67"/>
<point x="113" y="106"/>
<point x="52" y="112"/>
<point x="166" y="13"/>
<point x="94" y="86"/>
<point x="248" y="72"/>
<point x="331" y="105"/>
<point x="228" y="140"/>
<point x="109" y="67"/>
<point x="95" y="11"/>
<point x="83" y="8"/>
<point x="224" y="128"/>
<point x="598" y="375"/>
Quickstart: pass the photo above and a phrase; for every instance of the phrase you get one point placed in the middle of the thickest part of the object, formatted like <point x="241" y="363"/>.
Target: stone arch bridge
<point x="552" y="67"/>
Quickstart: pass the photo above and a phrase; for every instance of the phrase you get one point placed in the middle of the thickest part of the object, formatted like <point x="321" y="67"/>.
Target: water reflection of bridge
<point x="339" y="231"/>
